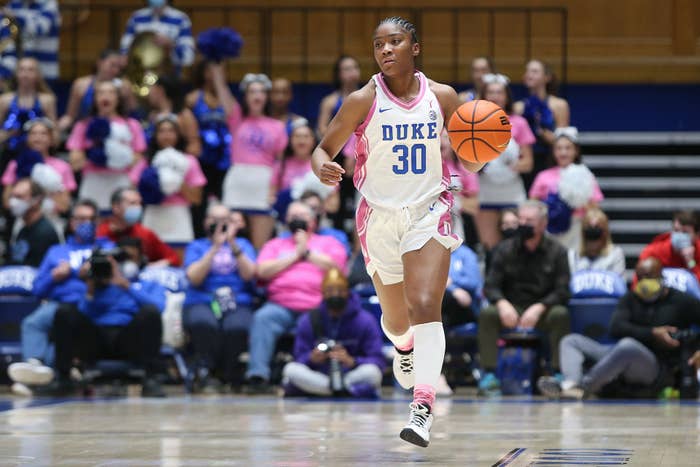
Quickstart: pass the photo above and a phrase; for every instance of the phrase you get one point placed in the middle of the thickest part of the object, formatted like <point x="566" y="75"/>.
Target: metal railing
<point x="264" y="58"/>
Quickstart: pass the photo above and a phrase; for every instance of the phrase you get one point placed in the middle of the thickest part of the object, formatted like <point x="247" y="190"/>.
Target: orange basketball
<point x="479" y="131"/>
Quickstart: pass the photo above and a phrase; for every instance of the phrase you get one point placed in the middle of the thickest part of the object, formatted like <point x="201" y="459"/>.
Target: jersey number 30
<point x="416" y="164"/>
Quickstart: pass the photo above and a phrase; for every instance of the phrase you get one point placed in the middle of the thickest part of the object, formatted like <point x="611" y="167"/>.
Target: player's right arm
<point x="351" y="114"/>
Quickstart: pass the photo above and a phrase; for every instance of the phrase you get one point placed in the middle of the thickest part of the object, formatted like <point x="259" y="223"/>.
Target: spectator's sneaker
<point x="576" y="393"/>
<point x="257" y="385"/>
<point x="152" y="388"/>
<point x="363" y="391"/>
<point x="443" y="389"/>
<point x="403" y="368"/>
<point x="418" y="429"/>
<point x="31" y="373"/>
<point x="20" y="389"/>
<point x="549" y="386"/>
<point x="60" y="387"/>
<point x="489" y="385"/>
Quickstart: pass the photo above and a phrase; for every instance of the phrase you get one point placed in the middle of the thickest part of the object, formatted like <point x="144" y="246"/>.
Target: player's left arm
<point x="449" y="102"/>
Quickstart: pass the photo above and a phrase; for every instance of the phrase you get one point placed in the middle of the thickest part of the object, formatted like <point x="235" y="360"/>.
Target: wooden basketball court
<point x="268" y="431"/>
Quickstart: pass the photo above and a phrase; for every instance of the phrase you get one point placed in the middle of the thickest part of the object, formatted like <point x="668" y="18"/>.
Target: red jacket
<point x="660" y="248"/>
<point x="153" y="247"/>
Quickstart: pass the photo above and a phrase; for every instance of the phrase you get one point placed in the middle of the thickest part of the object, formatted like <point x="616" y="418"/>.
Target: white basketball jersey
<point x="398" y="149"/>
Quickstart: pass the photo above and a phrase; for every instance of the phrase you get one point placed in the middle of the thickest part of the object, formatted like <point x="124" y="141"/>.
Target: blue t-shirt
<point x="224" y="272"/>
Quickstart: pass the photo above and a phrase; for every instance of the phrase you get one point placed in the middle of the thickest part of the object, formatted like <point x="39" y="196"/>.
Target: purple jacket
<point x="356" y="329"/>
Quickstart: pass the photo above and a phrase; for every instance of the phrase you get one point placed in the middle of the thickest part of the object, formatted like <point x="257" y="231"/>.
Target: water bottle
<point x="336" y="374"/>
<point x="224" y="301"/>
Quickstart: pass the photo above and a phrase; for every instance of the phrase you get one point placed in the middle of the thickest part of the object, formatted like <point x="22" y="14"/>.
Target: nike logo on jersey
<point x="384" y="110"/>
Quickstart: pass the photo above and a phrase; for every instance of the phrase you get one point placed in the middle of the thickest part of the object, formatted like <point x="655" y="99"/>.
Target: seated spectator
<point x="37" y="233"/>
<point x="105" y="145"/>
<point x="178" y="181"/>
<point x="338" y="336"/>
<point x="293" y="269"/>
<point x="323" y="226"/>
<point x="568" y="189"/>
<point x="597" y="249"/>
<point x="462" y="300"/>
<point x="509" y="223"/>
<point x="679" y="248"/>
<point x="527" y="287"/>
<point x="56" y="282"/>
<point x="280" y="98"/>
<point x="124" y="222"/>
<point x="172" y="27"/>
<point x="357" y="270"/>
<point x="295" y="163"/>
<point x="166" y="99"/>
<point x="31" y="99"/>
<point x="646" y="354"/>
<point x="56" y="177"/>
<point x="218" y="303"/>
<point x="82" y="93"/>
<point x="39" y="24"/>
<point x="119" y="318"/>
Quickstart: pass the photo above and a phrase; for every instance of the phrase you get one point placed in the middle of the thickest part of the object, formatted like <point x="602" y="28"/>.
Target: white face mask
<point x="18" y="207"/>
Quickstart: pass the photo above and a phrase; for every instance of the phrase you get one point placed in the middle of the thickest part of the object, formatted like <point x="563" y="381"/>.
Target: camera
<point x="689" y="340"/>
<point x="213" y="227"/>
<point x="335" y="373"/>
<point x="100" y="266"/>
<point x="326" y="346"/>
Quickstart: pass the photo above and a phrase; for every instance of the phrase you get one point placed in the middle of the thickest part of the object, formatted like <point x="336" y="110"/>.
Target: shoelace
<point x="419" y="415"/>
<point x="406" y="363"/>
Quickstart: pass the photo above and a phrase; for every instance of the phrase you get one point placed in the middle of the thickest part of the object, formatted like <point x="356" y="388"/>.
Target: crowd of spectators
<point x="222" y="187"/>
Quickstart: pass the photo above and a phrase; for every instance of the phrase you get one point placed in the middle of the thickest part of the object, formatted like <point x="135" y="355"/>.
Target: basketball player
<point x="403" y="219"/>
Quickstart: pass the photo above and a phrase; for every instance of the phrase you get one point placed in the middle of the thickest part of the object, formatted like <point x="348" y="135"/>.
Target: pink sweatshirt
<point x="256" y="140"/>
<point x="299" y="286"/>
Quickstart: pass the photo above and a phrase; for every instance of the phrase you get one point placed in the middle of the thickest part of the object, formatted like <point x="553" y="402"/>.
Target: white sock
<point x="404" y="342"/>
<point x="428" y="356"/>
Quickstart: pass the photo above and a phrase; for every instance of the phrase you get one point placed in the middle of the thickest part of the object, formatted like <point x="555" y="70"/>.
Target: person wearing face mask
<point x="646" y="353"/>
<point x="37" y="233"/>
<point x="527" y="287"/>
<point x="119" y="318"/>
<point x="679" y="248"/>
<point x="173" y="30"/>
<point x="57" y="282"/>
<point x="597" y="251"/>
<point x="337" y="335"/>
<point x="217" y="311"/>
<point x="125" y="222"/>
<point x="292" y="269"/>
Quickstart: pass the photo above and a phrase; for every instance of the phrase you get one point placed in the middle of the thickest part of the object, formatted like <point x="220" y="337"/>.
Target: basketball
<point x="479" y="131"/>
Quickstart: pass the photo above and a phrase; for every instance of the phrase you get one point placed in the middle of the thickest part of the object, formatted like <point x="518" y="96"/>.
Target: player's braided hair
<point x="403" y="24"/>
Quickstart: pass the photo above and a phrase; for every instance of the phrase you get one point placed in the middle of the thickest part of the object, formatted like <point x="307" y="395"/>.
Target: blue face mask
<point x="132" y="214"/>
<point x="680" y="240"/>
<point x="156" y="3"/>
<point x="85" y="232"/>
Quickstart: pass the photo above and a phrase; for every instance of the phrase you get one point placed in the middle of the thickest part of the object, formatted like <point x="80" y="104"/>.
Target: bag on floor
<point x="516" y="369"/>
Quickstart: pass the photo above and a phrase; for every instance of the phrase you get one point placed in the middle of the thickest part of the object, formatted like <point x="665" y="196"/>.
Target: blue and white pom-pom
<point x="47" y="177"/>
<point x="26" y="160"/>
<point x="98" y="129"/>
<point x="149" y="187"/>
<point x="576" y="184"/>
<point x="217" y="44"/>
<point x="172" y="166"/>
<point x="118" y="149"/>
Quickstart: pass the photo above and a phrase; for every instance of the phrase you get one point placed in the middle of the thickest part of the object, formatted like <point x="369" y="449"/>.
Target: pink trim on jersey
<point x="361" y="129"/>
<point x="362" y="219"/>
<point x="405" y="105"/>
